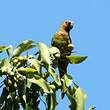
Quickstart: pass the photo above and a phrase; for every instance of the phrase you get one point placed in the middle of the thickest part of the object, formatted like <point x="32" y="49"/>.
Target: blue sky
<point x="40" y="19"/>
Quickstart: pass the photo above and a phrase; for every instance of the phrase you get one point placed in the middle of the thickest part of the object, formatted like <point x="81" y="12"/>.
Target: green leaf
<point x="5" y="65"/>
<point x="51" y="101"/>
<point x="55" y="52"/>
<point x="55" y="56"/>
<point x="53" y="86"/>
<point x="38" y="80"/>
<point x="55" y="77"/>
<point x="68" y="80"/>
<point x="2" y="48"/>
<point x="35" y="64"/>
<point x="73" y="105"/>
<point x="24" y="46"/>
<point x="45" y="60"/>
<point x="76" y="59"/>
<point x="28" y="107"/>
<point x="77" y="99"/>
<point x="3" y="96"/>
<point x="45" y="55"/>
<point x="33" y="77"/>
<point x="66" y="83"/>
<point x="27" y="71"/>
<point x="10" y="50"/>
<point x="80" y="97"/>
<point x="63" y="89"/>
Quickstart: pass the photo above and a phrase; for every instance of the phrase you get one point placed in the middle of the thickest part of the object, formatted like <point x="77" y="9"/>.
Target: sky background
<point x="40" y="19"/>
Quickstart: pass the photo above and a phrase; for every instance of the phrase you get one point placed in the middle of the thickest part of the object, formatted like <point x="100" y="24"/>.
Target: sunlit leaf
<point x="68" y="80"/>
<point x="80" y="97"/>
<point x="24" y="46"/>
<point x="35" y="64"/>
<point x="77" y="99"/>
<point x="66" y="83"/>
<point x="5" y="65"/>
<point x="24" y="97"/>
<point x="45" y="55"/>
<point x="55" y="52"/>
<point x="55" y="56"/>
<point x="76" y="59"/>
<point x="26" y="71"/>
<point x="45" y="59"/>
<point x="53" y="87"/>
<point x="38" y="80"/>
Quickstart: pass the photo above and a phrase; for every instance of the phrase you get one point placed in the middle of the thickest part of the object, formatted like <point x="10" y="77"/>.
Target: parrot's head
<point x="67" y="25"/>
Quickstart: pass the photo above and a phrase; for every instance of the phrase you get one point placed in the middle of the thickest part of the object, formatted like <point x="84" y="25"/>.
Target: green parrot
<point x="63" y="42"/>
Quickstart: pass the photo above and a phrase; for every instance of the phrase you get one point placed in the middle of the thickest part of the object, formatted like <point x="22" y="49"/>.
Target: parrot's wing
<point x="53" y="39"/>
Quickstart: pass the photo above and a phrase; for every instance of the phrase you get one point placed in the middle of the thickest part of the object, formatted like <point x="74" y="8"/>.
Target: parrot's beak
<point x="71" y="25"/>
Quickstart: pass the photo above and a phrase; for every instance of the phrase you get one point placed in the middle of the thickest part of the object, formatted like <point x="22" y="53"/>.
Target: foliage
<point x="26" y="78"/>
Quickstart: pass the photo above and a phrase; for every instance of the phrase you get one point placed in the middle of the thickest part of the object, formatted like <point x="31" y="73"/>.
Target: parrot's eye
<point x="66" y="22"/>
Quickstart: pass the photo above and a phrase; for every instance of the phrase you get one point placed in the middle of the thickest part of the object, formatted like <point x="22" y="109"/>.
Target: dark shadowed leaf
<point x="51" y="101"/>
<point x="76" y="59"/>
<point x="28" y="107"/>
<point x="3" y="96"/>
<point x="10" y="50"/>
<point x="73" y="104"/>
<point x="63" y="89"/>
<point x="2" y="48"/>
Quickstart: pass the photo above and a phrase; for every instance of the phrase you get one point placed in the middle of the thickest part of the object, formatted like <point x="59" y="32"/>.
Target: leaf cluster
<point x="26" y="78"/>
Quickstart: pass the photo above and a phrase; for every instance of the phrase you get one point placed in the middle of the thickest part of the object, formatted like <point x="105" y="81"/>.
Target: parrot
<point x="63" y="42"/>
